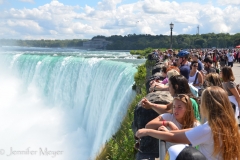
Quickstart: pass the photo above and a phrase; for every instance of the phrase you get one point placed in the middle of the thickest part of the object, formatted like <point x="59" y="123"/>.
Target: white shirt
<point x="230" y="57"/>
<point x="175" y="150"/>
<point x="192" y="79"/>
<point x="202" y="136"/>
<point x="233" y="100"/>
<point x="171" y="117"/>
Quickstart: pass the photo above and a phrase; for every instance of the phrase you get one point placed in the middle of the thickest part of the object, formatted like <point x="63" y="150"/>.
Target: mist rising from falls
<point x="62" y="103"/>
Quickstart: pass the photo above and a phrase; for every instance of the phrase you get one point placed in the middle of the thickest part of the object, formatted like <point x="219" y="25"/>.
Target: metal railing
<point x="162" y="149"/>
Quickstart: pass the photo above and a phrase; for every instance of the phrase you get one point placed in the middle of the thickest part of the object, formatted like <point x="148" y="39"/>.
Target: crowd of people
<point x="203" y="116"/>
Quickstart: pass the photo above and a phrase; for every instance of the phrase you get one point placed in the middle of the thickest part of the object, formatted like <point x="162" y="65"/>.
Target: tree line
<point x="141" y="41"/>
<point x="133" y="41"/>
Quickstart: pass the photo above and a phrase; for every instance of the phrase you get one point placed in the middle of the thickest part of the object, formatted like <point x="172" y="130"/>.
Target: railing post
<point x="162" y="149"/>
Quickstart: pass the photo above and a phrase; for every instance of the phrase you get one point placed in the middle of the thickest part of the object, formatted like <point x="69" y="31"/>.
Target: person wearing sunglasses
<point x="183" y="60"/>
<point x="218" y="138"/>
<point x="182" y="117"/>
<point x="195" y="77"/>
<point x="195" y="57"/>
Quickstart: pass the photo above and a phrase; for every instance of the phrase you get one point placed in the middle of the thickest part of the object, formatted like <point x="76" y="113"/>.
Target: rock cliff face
<point x="153" y="69"/>
<point x="149" y="146"/>
<point x="157" y="68"/>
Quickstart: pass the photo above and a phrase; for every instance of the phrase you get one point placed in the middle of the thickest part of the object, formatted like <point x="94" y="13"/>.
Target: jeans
<point x="230" y="64"/>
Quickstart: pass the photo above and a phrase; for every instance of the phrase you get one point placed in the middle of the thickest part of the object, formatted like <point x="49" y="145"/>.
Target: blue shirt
<point x="185" y="71"/>
<point x="200" y="65"/>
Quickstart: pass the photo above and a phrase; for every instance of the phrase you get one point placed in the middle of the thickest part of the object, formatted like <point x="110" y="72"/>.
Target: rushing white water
<point x="61" y="105"/>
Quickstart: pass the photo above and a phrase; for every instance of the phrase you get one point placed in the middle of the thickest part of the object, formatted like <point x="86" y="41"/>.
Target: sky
<point x="84" y="19"/>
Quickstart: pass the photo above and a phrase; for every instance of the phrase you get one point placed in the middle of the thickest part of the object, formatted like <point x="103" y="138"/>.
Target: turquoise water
<point x="64" y="101"/>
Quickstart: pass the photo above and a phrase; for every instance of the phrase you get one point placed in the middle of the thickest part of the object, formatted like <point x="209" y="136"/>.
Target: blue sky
<point x="19" y="4"/>
<point x="35" y="3"/>
<point x="82" y="19"/>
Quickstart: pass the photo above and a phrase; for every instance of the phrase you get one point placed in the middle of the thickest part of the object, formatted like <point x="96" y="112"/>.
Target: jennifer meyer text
<point x="31" y="152"/>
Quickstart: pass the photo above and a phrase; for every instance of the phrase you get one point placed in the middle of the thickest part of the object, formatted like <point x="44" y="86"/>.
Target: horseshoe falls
<point x="61" y="103"/>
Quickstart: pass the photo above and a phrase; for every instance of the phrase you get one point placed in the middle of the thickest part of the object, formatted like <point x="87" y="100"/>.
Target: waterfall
<point x="66" y="103"/>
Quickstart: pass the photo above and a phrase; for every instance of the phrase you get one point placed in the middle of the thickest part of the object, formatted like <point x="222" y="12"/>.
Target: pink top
<point x="235" y="54"/>
<point x="165" y="81"/>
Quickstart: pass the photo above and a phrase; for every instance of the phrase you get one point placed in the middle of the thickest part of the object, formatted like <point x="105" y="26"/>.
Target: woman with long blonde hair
<point x="218" y="138"/>
<point x="182" y="116"/>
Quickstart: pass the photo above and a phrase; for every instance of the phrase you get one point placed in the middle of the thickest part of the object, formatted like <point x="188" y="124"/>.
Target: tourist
<point x="183" y="60"/>
<point x="195" y="77"/>
<point x="166" y="60"/>
<point x="195" y="57"/>
<point x="182" y="117"/>
<point x="238" y="56"/>
<point x="215" y="58"/>
<point x="177" y="85"/>
<point x="230" y="58"/>
<point x="223" y="59"/>
<point x="208" y="66"/>
<point x="212" y="79"/>
<point x="218" y="138"/>
<point x="162" y="85"/>
<point x="231" y="87"/>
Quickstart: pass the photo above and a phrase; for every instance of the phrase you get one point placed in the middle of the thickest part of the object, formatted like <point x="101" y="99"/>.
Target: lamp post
<point x="171" y="28"/>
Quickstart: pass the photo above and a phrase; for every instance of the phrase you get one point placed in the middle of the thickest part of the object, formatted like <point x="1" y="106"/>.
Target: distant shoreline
<point x="80" y="48"/>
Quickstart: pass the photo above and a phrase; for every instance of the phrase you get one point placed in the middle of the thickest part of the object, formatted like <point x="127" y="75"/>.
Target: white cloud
<point x="24" y="26"/>
<point x="29" y="1"/>
<point x="187" y="29"/>
<point x="227" y="2"/>
<point x="156" y="6"/>
<point x="108" y="4"/>
<point x="52" y="32"/>
<point x="88" y="9"/>
<point x="56" y="20"/>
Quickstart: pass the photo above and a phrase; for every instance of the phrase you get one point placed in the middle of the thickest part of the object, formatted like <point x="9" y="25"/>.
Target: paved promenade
<point x="236" y="72"/>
